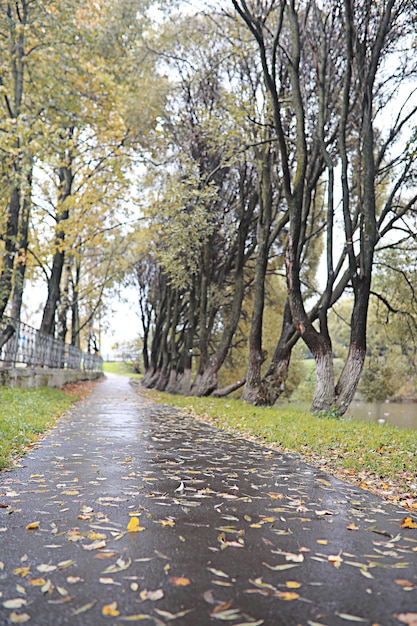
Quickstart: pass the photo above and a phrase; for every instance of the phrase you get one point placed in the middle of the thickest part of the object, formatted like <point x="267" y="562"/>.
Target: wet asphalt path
<point x="138" y="513"/>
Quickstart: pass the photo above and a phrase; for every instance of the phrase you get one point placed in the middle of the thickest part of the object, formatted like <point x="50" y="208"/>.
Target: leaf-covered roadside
<point x="25" y="414"/>
<point x="379" y="458"/>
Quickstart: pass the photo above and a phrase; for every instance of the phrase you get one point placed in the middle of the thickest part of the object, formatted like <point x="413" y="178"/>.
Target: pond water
<point x="401" y="414"/>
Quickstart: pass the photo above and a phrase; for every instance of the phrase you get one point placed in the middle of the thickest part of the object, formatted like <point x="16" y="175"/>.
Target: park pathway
<point x="129" y="511"/>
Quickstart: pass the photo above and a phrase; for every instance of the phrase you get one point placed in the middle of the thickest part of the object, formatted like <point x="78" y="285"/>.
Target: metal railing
<point x="21" y="344"/>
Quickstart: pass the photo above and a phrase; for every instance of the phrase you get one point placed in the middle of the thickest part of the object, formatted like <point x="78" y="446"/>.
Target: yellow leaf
<point x="322" y="542"/>
<point x="22" y="571"/>
<point x="293" y="584"/>
<point x="286" y="595"/>
<point x="352" y="526"/>
<point x="95" y="536"/>
<point x="110" y="609"/>
<point x="408" y="522"/>
<point x="166" y="522"/>
<point x="32" y="525"/>
<point x="134" y="525"/>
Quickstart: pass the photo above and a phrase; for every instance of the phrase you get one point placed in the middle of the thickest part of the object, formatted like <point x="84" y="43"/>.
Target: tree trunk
<point x="12" y="226"/>
<point x="273" y="383"/>
<point x="207" y="380"/>
<point x="253" y="374"/>
<point x="23" y="242"/>
<point x="65" y="188"/>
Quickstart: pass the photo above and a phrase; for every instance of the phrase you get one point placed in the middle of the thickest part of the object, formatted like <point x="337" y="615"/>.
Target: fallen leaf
<point x="158" y="594"/>
<point x="134" y="525"/>
<point x="279" y="568"/>
<point x="228" y="614"/>
<point x="169" y="616"/>
<point x="84" y="608"/>
<point x="258" y="623"/>
<point x="95" y="536"/>
<point x="15" y="603"/>
<point x="108" y="581"/>
<point x="166" y="522"/>
<point x="96" y="545"/>
<point x="404" y="583"/>
<point x="351" y="618"/>
<point x="217" y="572"/>
<point x="180" y="581"/>
<point x="286" y="595"/>
<point x="44" y="568"/>
<point x="136" y="618"/>
<point x="47" y="587"/>
<point x="110" y="610"/>
<point x="104" y="555"/>
<point x="37" y="582"/>
<point x="19" y="618"/>
<point x="119" y="566"/>
<point x="22" y="571"/>
<point x="335" y="559"/>
<point x="407" y="618"/>
<point x="408" y="522"/>
<point x="292" y="584"/>
<point x="61" y="591"/>
<point x="352" y="526"/>
<point x="33" y="525"/>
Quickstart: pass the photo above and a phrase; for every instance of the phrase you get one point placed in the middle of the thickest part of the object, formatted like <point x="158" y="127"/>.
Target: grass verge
<point x="380" y="458"/>
<point x="121" y="367"/>
<point x="25" y="414"/>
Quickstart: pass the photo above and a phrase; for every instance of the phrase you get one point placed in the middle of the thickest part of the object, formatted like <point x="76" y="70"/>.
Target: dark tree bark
<point x="66" y="178"/>
<point x="207" y="380"/>
<point x="253" y="374"/>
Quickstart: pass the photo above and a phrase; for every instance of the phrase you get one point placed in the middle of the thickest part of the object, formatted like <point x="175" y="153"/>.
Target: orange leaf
<point x="32" y="526"/>
<point x="180" y="582"/>
<point x="352" y="526"/>
<point x="286" y="595"/>
<point x="404" y="583"/>
<point x="110" y="609"/>
<point x="37" y="582"/>
<point x="275" y="496"/>
<point x="408" y="522"/>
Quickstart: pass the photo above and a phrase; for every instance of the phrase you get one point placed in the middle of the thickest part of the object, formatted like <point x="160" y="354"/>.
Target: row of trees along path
<point x="246" y="165"/>
<point x="312" y="159"/>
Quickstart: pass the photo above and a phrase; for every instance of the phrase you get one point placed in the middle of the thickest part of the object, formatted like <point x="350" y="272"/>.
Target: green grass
<point x="24" y="415"/>
<point x="381" y="457"/>
<point x="120" y="367"/>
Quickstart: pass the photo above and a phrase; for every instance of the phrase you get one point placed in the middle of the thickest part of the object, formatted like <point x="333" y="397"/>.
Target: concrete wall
<point x="43" y="377"/>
